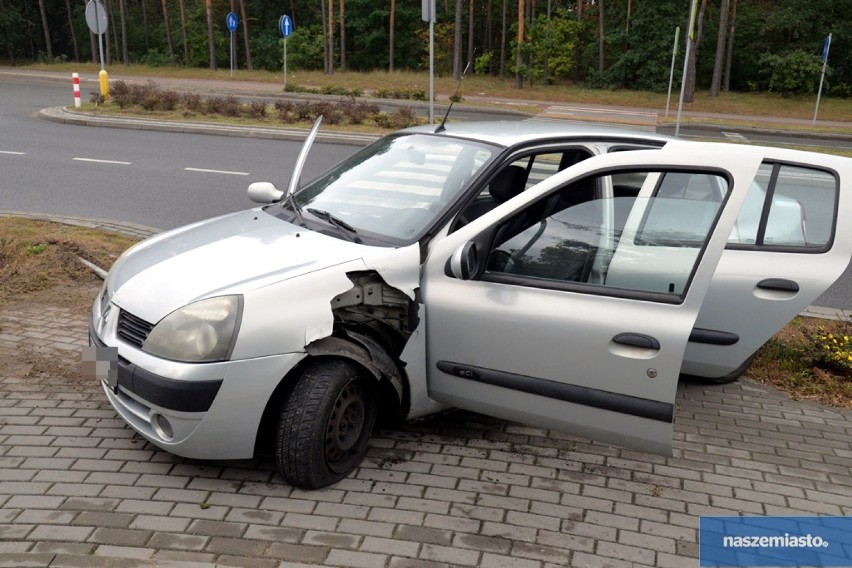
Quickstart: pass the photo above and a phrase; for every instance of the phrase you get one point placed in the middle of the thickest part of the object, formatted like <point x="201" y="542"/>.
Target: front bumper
<point x="195" y="410"/>
<point x="182" y="396"/>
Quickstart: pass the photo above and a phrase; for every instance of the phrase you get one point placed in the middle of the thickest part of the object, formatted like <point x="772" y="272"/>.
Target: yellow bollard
<point x="103" y="77"/>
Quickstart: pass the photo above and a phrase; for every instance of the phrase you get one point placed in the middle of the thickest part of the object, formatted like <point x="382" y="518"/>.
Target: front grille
<point x="132" y="329"/>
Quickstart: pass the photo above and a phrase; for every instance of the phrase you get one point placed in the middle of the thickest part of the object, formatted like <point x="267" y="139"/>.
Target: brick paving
<point x="80" y="489"/>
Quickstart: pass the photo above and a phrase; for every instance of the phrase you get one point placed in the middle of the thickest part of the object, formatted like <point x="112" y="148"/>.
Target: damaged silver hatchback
<point x="536" y="272"/>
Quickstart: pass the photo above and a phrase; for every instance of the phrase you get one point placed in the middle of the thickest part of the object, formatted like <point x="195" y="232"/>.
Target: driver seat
<point x="508" y="183"/>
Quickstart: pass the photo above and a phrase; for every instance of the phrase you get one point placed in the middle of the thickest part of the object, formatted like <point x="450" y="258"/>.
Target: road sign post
<point x="671" y="72"/>
<point x="96" y="19"/>
<point x="231" y="21"/>
<point x="428" y="15"/>
<point x="285" y="26"/>
<point x="825" y="47"/>
<point x="690" y="37"/>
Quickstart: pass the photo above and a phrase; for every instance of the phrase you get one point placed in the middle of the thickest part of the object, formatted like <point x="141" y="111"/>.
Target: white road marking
<point x="592" y="110"/>
<point x="633" y="126"/>
<point x="102" y="161"/>
<point x="202" y="170"/>
<point x="13" y="153"/>
<point x="735" y="136"/>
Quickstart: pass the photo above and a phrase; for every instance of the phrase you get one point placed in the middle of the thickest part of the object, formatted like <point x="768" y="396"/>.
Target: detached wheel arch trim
<point x="366" y="352"/>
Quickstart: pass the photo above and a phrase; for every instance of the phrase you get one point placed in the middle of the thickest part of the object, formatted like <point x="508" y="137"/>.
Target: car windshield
<point x="397" y="186"/>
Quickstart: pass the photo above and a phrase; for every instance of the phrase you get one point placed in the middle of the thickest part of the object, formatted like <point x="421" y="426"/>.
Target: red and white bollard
<point x="76" y="78"/>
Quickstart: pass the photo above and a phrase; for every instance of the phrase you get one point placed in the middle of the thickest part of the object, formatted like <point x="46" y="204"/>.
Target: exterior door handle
<point x="637" y="340"/>
<point x="713" y="336"/>
<point x="779" y="284"/>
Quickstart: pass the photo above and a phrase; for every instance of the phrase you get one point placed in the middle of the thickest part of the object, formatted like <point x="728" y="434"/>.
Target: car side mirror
<point x="264" y="192"/>
<point x="463" y="262"/>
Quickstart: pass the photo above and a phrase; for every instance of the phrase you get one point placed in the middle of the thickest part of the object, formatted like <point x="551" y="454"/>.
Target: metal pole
<point x="821" y="77"/>
<point x="101" y="50"/>
<point x="432" y="68"/>
<point x="232" y="55"/>
<point x="685" y="64"/>
<point x="100" y="36"/>
<point x="819" y="95"/>
<point x="285" y="63"/>
<point x="671" y="73"/>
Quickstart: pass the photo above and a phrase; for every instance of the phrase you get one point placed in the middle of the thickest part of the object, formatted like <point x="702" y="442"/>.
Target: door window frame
<point x="769" y="191"/>
<point x="484" y="241"/>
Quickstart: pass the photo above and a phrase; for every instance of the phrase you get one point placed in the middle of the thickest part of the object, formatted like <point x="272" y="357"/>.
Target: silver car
<point x="541" y="273"/>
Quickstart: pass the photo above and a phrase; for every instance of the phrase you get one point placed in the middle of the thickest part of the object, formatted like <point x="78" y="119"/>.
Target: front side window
<point x="519" y="175"/>
<point x="612" y="246"/>
<point x="684" y="210"/>
<point x="397" y="186"/>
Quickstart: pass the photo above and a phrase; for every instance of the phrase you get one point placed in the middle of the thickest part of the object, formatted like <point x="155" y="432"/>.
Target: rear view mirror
<point x="463" y="263"/>
<point x="264" y="192"/>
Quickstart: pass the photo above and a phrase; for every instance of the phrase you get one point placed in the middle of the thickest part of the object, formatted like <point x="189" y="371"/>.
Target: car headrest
<point x="508" y="183"/>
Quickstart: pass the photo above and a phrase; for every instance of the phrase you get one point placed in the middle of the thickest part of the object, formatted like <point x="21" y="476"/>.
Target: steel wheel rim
<point x="345" y="427"/>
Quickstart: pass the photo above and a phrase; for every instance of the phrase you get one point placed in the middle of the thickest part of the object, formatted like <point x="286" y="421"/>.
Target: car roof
<point x="510" y="133"/>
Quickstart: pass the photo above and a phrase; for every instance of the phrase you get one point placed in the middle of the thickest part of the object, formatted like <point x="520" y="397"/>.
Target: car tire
<point x="325" y="423"/>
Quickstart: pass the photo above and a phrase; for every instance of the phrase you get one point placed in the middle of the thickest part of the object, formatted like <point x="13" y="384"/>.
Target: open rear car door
<point x="787" y="248"/>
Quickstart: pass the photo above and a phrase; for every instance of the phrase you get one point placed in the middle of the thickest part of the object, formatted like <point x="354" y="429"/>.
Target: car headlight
<point x="202" y="332"/>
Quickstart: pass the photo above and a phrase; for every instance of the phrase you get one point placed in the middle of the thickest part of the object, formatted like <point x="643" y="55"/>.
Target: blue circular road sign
<point x="285" y="25"/>
<point x="231" y="21"/>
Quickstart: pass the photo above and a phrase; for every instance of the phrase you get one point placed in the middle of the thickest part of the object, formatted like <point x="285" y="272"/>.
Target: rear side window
<point x="788" y="207"/>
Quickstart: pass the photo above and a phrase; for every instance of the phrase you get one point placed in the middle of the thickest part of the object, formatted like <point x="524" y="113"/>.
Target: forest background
<point x="741" y="45"/>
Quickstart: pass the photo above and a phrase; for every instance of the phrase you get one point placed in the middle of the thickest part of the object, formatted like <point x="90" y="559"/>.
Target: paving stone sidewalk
<point x="80" y="489"/>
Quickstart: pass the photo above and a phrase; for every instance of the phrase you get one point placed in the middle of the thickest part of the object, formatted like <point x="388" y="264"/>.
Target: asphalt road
<point x="152" y="178"/>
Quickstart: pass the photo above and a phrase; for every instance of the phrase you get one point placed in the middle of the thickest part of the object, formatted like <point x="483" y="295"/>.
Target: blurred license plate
<point x="101" y="362"/>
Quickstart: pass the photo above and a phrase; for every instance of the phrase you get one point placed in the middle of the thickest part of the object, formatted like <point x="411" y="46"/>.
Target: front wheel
<point x="325" y="423"/>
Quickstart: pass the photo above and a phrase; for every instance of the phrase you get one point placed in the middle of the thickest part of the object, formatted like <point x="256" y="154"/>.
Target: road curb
<point x="128" y="229"/>
<point x="826" y="313"/>
<point x="66" y="116"/>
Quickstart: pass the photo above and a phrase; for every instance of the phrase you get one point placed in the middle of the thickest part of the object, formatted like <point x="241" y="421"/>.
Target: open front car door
<point x="569" y="308"/>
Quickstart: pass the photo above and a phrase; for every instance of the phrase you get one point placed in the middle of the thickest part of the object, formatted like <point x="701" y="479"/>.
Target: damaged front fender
<point x="369" y="354"/>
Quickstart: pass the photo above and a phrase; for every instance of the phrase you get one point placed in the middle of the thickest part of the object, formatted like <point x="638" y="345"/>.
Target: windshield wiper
<point x="297" y="209"/>
<point x="337" y="222"/>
